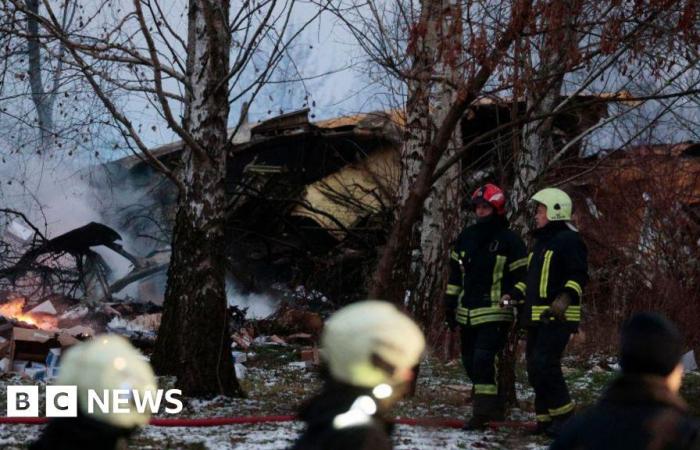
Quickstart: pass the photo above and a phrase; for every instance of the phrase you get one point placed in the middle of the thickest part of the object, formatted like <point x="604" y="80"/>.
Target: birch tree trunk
<point x="43" y="101"/>
<point x="439" y="222"/>
<point x="410" y="210"/>
<point x="538" y="147"/>
<point x="558" y="51"/>
<point x="418" y="135"/>
<point x="193" y="341"/>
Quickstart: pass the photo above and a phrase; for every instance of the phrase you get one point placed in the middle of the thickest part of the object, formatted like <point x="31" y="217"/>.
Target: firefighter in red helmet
<point x="488" y="265"/>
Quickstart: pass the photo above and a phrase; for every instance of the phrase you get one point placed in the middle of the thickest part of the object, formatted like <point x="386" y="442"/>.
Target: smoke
<point x="59" y="197"/>
<point x="259" y="306"/>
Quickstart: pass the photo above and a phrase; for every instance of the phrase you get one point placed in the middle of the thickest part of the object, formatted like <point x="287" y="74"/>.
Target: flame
<point x="13" y="309"/>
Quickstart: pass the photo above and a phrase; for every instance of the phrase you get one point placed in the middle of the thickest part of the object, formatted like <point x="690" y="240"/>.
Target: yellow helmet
<point x="108" y="362"/>
<point x="558" y="203"/>
<point x="359" y="332"/>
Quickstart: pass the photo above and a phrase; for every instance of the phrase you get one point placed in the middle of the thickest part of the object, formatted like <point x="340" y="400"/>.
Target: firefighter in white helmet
<point x="369" y="350"/>
<point x="557" y="275"/>
<point x="107" y="362"/>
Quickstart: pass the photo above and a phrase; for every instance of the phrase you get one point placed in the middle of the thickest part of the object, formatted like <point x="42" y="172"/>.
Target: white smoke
<point x="259" y="306"/>
<point x="58" y="198"/>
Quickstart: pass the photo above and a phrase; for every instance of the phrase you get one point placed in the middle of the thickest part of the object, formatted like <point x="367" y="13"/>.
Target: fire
<point x="14" y="309"/>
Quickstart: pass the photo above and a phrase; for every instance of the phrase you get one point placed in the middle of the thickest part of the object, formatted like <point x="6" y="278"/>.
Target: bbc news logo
<point x="62" y="401"/>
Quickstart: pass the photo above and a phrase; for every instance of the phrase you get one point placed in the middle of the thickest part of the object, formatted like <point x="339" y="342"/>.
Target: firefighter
<point x="487" y="274"/>
<point x="641" y="409"/>
<point x="106" y="362"/>
<point x="557" y="274"/>
<point x="369" y="350"/>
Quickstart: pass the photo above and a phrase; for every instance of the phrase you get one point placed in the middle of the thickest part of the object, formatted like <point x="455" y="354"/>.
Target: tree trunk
<point x="556" y="55"/>
<point x="42" y="101"/>
<point x="193" y="341"/>
<point x="411" y="209"/>
<point x="538" y="145"/>
<point x="439" y="221"/>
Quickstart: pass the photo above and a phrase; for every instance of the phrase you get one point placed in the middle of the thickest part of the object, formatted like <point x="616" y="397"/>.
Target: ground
<point x="276" y="382"/>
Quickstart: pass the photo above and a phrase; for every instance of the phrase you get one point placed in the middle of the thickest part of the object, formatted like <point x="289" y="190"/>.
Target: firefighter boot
<point x="486" y="408"/>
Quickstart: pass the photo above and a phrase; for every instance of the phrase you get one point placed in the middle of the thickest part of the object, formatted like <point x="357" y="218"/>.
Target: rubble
<point x="310" y="356"/>
<point x="33" y="337"/>
<point x="44" y="308"/>
<point x="242" y="339"/>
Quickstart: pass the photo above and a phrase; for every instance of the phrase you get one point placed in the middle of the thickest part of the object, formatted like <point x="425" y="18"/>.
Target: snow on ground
<point x="276" y="386"/>
<point x="278" y="436"/>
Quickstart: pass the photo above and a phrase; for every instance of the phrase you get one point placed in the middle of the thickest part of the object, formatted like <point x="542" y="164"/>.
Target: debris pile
<point x="33" y="336"/>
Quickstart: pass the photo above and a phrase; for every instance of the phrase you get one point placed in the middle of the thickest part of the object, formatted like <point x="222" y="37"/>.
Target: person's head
<point x="487" y="200"/>
<point x="108" y="362"/>
<point x="552" y="205"/>
<point x="371" y="344"/>
<point x="650" y="344"/>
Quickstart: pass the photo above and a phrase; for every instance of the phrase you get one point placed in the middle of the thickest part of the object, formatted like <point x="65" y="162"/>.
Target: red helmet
<point x="491" y="195"/>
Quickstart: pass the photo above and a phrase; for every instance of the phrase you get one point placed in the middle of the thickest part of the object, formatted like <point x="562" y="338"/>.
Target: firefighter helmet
<point x="371" y="342"/>
<point x="493" y="196"/>
<point x="558" y="203"/>
<point x="108" y="362"/>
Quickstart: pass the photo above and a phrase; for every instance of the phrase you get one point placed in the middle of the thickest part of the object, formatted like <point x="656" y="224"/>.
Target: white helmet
<point x="358" y="333"/>
<point x="108" y="362"/>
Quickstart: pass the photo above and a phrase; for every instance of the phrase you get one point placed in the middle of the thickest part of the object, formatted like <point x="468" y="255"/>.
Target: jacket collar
<point x="550" y="230"/>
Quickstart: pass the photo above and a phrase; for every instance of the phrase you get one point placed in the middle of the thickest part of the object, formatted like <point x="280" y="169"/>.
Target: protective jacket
<point x="557" y="264"/>
<point x="637" y="412"/>
<point x="487" y="261"/>
<point x="326" y="427"/>
<point x="80" y="432"/>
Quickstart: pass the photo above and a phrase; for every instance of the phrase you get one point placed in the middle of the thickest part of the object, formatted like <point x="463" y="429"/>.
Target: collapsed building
<point x="309" y="202"/>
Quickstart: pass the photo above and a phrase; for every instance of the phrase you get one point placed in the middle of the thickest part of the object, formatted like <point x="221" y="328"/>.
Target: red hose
<point x="219" y="421"/>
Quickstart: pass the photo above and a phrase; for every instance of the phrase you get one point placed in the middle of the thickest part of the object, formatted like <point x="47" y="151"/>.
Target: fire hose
<point x="246" y="420"/>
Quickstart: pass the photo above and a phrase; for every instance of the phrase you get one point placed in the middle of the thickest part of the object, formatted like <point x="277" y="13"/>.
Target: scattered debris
<point x="274" y="339"/>
<point x="44" y="308"/>
<point x="310" y="356"/>
<point x="242" y="339"/>
<point x="241" y="371"/>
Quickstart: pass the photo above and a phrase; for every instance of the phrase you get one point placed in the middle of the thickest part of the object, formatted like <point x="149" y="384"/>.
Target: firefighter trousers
<point x="545" y="346"/>
<point x="481" y="345"/>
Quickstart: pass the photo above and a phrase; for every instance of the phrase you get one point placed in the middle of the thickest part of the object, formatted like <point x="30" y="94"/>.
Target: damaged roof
<point x="385" y="125"/>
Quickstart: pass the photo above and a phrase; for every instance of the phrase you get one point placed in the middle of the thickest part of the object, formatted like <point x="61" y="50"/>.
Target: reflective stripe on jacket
<point x="487" y="262"/>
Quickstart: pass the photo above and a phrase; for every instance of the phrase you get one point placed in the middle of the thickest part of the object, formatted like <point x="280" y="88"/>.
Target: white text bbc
<point x="62" y="401"/>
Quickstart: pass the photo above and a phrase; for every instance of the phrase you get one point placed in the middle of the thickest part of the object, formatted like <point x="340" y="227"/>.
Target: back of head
<point x="369" y="343"/>
<point x="650" y="344"/>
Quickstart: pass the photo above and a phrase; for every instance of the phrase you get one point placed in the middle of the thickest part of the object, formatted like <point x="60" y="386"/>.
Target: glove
<point x="450" y="319"/>
<point x="559" y="306"/>
<point x="557" y="310"/>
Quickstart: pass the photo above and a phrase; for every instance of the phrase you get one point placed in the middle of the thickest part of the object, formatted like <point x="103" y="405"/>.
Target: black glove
<point x="557" y="310"/>
<point x="451" y="319"/>
<point x="559" y="306"/>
